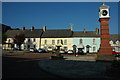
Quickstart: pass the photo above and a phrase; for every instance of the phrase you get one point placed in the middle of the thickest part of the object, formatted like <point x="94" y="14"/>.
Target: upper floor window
<point x="58" y="41"/>
<point x="53" y="42"/>
<point x="65" y="42"/>
<point x="117" y="42"/>
<point x="81" y="41"/>
<point x="28" y="40"/>
<point x="93" y="41"/>
<point x="34" y="40"/>
<point x="45" y="42"/>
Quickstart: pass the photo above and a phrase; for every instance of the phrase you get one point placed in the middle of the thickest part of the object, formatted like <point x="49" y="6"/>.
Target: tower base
<point x="105" y="51"/>
<point x="105" y="57"/>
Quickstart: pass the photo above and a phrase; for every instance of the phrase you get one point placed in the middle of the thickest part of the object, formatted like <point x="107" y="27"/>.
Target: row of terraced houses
<point x="88" y="41"/>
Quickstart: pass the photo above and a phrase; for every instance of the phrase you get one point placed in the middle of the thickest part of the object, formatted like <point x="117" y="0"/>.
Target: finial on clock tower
<point x="103" y="3"/>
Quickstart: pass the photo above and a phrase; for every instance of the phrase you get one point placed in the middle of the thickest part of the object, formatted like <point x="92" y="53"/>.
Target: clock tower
<point x="105" y="47"/>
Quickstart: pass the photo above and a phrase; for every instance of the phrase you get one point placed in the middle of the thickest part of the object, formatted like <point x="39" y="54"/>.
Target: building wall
<point x="30" y="43"/>
<point x="70" y="43"/>
<point x="24" y="46"/>
<point x="49" y="43"/>
<point x="7" y="46"/>
<point x="115" y="45"/>
<point x="87" y="41"/>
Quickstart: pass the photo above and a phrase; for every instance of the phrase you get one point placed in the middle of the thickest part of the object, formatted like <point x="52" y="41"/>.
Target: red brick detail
<point x="105" y="47"/>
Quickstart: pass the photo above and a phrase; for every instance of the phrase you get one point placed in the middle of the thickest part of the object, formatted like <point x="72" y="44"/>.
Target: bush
<point x="57" y="54"/>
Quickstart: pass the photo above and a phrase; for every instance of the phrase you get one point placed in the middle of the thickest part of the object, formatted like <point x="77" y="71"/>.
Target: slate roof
<point x="57" y="33"/>
<point x="115" y="37"/>
<point x="36" y="33"/>
<point x="86" y="34"/>
<point x="103" y="6"/>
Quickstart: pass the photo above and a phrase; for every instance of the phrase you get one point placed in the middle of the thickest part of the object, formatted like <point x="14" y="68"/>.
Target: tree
<point x="4" y="38"/>
<point x="19" y="39"/>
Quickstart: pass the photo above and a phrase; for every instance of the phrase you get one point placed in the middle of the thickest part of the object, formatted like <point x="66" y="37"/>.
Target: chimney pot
<point x="23" y="28"/>
<point x="44" y="28"/>
<point x="32" y="28"/>
<point x="71" y="27"/>
<point x="84" y="30"/>
<point x="97" y="30"/>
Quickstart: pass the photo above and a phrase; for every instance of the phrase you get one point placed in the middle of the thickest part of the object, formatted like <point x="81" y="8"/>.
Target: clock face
<point x="104" y="12"/>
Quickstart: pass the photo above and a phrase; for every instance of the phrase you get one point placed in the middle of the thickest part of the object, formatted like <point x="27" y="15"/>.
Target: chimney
<point x="32" y="28"/>
<point x="23" y="28"/>
<point x="97" y="30"/>
<point x="84" y="30"/>
<point x="71" y="27"/>
<point x="44" y="28"/>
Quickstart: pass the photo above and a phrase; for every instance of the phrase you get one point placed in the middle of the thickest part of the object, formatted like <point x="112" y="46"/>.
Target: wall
<point x="49" y="42"/>
<point x="87" y="41"/>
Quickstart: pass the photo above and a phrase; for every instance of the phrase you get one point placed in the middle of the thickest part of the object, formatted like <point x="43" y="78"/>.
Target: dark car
<point x="80" y="52"/>
<point x="40" y="50"/>
<point x="15" y="49"/>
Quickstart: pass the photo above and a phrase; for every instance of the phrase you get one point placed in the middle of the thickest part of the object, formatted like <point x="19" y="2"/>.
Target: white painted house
<point x="86" y="41"/>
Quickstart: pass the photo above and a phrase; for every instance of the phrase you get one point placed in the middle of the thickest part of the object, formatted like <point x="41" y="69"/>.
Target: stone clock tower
<point x="105" y="47"/>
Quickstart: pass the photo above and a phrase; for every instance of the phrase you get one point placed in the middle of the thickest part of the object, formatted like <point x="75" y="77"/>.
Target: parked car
<point x="49" y="49"/>
<point x="32" y="50"/>
<point x="115" y="52"/>
<point x="15" y="49"/>
<point x="70" y="52"/>
<point x="80" y="52"/>
<point x="62" y="51"/>
<point x="40" y="50"/>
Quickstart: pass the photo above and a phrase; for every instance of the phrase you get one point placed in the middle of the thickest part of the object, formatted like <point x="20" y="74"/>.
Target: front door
<point x="87" y="49"/>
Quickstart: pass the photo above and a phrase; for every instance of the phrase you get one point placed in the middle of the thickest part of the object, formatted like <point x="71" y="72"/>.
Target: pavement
<point x="75" y="68"/>
<point x="24" y="66"/>
<point x="40" y="66"/>
<point x="88" y="57"/>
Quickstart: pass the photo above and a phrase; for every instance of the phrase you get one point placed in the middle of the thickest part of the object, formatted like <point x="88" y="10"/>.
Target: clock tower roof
<point x="103" y="6"/>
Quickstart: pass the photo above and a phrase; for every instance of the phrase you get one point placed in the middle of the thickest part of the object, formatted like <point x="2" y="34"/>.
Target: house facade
<point x="115" y="42"/>
<point x="57" y="39"/>
<point x="87" y="41"/>
<point x="32" y="38"/>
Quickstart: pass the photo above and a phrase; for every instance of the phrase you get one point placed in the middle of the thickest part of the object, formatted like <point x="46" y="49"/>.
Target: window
<point x="45" y="42"/>
<point x="9" y="41"/>
<point x="9" y="46"/>
<point x="53" y="42"/>
<point x="81" y="41"/>
<point x="94" y="48"/>
<point x="34" y="46"/>
<point x="65" y="42"/>
<point x="28" y="40"/>
<point x="34" y="40"/>
<point x="93" y="41"/>
<point x="58" y="41"/>
<point x="28" y="46"/>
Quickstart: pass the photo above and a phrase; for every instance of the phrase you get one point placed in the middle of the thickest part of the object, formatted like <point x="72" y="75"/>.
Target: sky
<point x="58" y="15"/>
